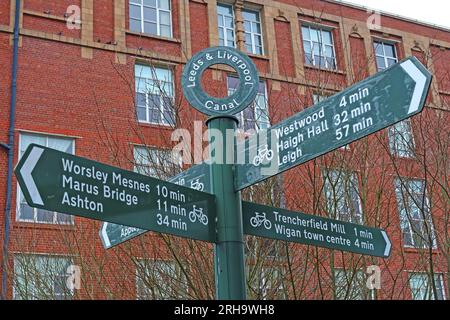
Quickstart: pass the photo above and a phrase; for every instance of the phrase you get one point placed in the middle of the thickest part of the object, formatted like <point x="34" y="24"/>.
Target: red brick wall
<point x="284" y="48"/>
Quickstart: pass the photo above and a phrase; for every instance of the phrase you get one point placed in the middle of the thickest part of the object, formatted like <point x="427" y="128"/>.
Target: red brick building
<point x="78" y="91"/>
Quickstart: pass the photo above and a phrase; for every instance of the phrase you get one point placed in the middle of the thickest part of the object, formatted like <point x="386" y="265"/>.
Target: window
<point x="160" y="280"/>
<point x="317" y="98"/>
<point x="225" y="20"/>
<point x="24" y="211"/>
<point x="255" y="116"/>
<point x="319" y="47"/>
<point x="401" y="139"/>
<point x="151" y="16"/>
<point x="342" y="195"/>
<point x="39" y="277"/>
<point x="253" y="33"/>
<point x="422" y="289"/>
<point x="385" y="54"/>
<point x="266" y="282"/>
<point x="154" y="95"/>
<point x="350" y="285"/>
<point x="157" y="163"/>
<point x="415" y="214"/>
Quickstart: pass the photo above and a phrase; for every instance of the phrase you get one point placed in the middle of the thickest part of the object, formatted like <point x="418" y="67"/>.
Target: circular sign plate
<point x="242" y="97"/>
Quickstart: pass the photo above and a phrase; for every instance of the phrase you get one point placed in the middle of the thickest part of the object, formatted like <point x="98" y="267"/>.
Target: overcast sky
<point x="430" y="11"/>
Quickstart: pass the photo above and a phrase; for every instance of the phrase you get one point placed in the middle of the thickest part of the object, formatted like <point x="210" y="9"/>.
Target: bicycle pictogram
<point x="264" y="154"/>
<point x="197" y="213"/>
<point x="260" y="219"/>
<point x="197" y="185"/>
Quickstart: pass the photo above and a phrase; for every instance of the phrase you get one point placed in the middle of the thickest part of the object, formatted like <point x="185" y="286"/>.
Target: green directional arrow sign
<point x="57" y="181"/>
<point x="280" y="224"/>
<point x="196" y="177"/>
<point x="365" y="108"/>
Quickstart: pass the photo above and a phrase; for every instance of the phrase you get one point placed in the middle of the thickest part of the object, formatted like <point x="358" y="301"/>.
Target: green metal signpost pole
<point x="229" y="248"/>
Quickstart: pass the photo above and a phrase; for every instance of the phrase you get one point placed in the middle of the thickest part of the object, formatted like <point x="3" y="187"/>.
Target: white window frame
<point x="321" y="49"/>
<point x="140" y="3"/>
<point x="253" y="33"/>
<point x="333" y="204"/>
<point x="34" y="256"/>
<point x="19" y="191"/>
<point x="405" y="219"/>
<point x="395" y="133"/>
<point x="384" y="56"/>
<point x="149" y="91"/>
<point x="255" y="106"/>
<point x="426" y="277"/>
<point x="224" y="27"/>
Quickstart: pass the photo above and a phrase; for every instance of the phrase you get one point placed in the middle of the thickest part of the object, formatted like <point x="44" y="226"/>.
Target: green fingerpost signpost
<point x="204" y="202"/>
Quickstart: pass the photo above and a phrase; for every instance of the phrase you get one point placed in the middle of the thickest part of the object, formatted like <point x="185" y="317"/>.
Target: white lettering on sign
<point x="113" y="187"/>
<point x="310" y="228"/>
<point x="221" y="107"/>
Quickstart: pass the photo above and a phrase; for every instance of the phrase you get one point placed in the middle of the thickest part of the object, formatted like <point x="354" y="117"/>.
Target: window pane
<point x="164" y="4"/>
<point x="164" y="18"/>
<point x="247" y="26"/>
<point x="150" y="28"/>
<point x="135" y="12"/>
<point x="305" y="33"/>
<point x="63" y="218"/>
<point x="27" y="139"/>
<point x="380" y="63"/>
<point x="230" y="35"/>
<point x="329" y="51"/>
<point x="165" y="31"/>
<point x="326" y="37"/>
<point x="44" y="216"/>
<point x="250" y="15"/>
<point x="314" y="35"/>
<point x="142" y="114"/>
<point x="26" y="212"/>
<point x="248" y="40"/>
<point x="151" y="3"/>
<point x="150" y="14"/>
<point x="232" y="83"/>
<point x="389" y="50"/>
<point x="378" y="48"/>
<point x="155" y="116"/>
<point x="258" y="41"/>
<point x="169" y="112"/>
<point x="391" y="62"/>
<point x="224" y="9"/>
<point x="307" y="47"/>
<point x="229" y="22"/>
<point x="135" y="25"/>
<point x="309" y="59"/>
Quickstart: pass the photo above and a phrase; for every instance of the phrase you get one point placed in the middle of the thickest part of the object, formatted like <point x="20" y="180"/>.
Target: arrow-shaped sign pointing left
<point x="28" y="179"/>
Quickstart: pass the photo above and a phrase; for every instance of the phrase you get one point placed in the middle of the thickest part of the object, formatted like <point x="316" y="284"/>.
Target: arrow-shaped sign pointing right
<point x="421" y="81"/>
<point x="387" y="250"/>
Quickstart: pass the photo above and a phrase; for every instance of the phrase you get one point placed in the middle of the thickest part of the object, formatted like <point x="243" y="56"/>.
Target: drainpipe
<point x="10" y="149"/>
